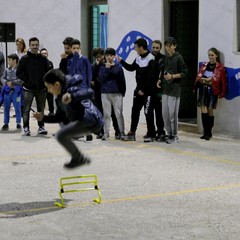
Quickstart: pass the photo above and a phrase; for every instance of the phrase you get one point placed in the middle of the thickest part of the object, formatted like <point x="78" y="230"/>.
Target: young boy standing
<point x="11" y="92"/>
<point x="174" y="70"/>
<point x="79" y="64"/>
<point x="113" y="88"/>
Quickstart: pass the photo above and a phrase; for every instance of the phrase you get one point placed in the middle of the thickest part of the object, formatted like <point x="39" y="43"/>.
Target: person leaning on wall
<point x="211" y="85"/>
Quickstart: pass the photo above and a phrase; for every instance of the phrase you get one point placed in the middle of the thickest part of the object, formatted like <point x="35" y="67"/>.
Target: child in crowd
<point x="174" y="70"/>
<point x="74" y="109"/>
<point x="79" y="64"/>
<point x="113" y="88"/>
<point x="11" y="92"/>
<point x="99" y="55"/>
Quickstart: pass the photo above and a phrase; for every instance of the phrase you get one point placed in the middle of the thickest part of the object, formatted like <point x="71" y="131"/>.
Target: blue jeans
<point x="15" y="98"/>
<point x="40" y="97"/>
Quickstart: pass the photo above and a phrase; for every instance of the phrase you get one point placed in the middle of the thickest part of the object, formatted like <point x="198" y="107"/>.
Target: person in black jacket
<point x="144" y="66"/>
<point x="31" y="69"/>
<point x="75" y="110"/>
<point x="50" y="99"/>
<point x="156" y="102"/>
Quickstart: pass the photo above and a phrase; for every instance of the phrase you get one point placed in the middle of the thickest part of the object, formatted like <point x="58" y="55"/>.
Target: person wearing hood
<point x="31" y="69"/>
<point x="144" y="65"/>
<point x="174" y="70"/>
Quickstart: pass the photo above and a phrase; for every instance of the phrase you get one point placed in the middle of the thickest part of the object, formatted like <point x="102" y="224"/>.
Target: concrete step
<point x="188" y="127"/>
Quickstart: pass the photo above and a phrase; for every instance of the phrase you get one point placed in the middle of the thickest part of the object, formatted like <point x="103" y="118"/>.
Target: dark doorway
<point x="184" y="27"/>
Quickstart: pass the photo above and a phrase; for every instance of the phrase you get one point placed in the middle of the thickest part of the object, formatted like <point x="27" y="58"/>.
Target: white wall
<point x="49" y="20"/>
<point x="53" y="20"/>
<point x="125" y="16"/>
<point x="217" y="29"/>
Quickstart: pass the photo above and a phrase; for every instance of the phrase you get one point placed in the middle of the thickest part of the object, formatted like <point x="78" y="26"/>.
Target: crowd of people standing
<point x="158" y="86"/>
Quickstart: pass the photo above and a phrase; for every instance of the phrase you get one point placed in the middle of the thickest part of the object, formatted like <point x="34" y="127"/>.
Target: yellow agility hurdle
<point x="66" y="181"/>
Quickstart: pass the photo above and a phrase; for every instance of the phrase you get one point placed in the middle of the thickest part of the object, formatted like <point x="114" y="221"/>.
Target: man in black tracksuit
<point x="31" y="69"/>
<point x="156" y="102"/>
<point x="144" y="65"/>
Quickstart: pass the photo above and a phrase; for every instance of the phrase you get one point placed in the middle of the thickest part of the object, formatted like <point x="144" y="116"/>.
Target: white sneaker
<point x="171" y="140"/>
<point x="27" y="131"/>
<point x="105" y="137"/>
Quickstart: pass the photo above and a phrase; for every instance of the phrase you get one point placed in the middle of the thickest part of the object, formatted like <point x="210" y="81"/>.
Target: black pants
<point x="157" y="106"/>
<point x="138" y="103"/>
<point x="73" y="130"/>
<point x="40" y="97"/>
<point x="50" y="102"/>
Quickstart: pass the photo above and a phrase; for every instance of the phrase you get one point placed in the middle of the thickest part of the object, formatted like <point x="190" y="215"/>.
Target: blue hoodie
<point x="80" y="64"/>
<point x="112" y="79"/>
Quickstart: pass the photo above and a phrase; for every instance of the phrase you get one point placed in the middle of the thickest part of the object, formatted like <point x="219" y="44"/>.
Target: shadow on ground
<point x="19" y="210"/>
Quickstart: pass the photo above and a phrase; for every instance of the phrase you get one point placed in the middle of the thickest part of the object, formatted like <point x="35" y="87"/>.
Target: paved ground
<point x="189" y="190"/>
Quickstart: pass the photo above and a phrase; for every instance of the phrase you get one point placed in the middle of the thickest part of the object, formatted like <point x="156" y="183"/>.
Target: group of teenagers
<point x="89" y="95"/>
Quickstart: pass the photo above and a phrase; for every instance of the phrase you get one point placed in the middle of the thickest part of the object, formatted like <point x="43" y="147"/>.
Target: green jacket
<point x="174" y="65"/>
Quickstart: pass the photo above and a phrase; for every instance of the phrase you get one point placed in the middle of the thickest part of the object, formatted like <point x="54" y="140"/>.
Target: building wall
<point x="217" y="28"/>
<point x="53" y="20"/>
<point x="49" y="20"/>
<point x="130" y="17"/>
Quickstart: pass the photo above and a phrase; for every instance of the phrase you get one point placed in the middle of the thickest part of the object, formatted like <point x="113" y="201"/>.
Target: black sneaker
<point x="42" y="130"/>
<point x="99" y="136"/>
<point x="89" y="138"/>
<point x="129" y="137"/>
<point x="77" y="163"/>
<point x="147" y="138"/>
<point x="19" y="127"/>
<point x="161" y="138"/>
<point x="118" y="136"/>
<point x="5" y="127"/>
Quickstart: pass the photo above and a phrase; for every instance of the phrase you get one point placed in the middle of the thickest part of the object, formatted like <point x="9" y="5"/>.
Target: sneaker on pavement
<point x="171" y="140"/>
<point x="129" y="137"/>
<point x="89" y="138"/>
<point x="147" y="138"/>
<point x="118" y="136"/>
<point x="105" y="137"/>
<point x="19" y="127"/>
<point x="42" y="130"/>
<point x="77" y="163"/>
<point x="5" y="127"/>
<point x="27" y="131"/>
<point x="99" y="136"/>
<point x="161" y="138"/>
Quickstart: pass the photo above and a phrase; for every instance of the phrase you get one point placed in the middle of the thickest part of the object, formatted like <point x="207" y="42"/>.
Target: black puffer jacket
<point x="31" y="69"/>
<point x="80" y="108"/>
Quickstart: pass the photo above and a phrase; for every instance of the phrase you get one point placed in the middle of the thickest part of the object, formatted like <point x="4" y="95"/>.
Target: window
<point x="238" y="25"/>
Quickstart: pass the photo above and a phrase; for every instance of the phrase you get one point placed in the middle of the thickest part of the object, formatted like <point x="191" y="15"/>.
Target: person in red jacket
<point x="211" y="84"/>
